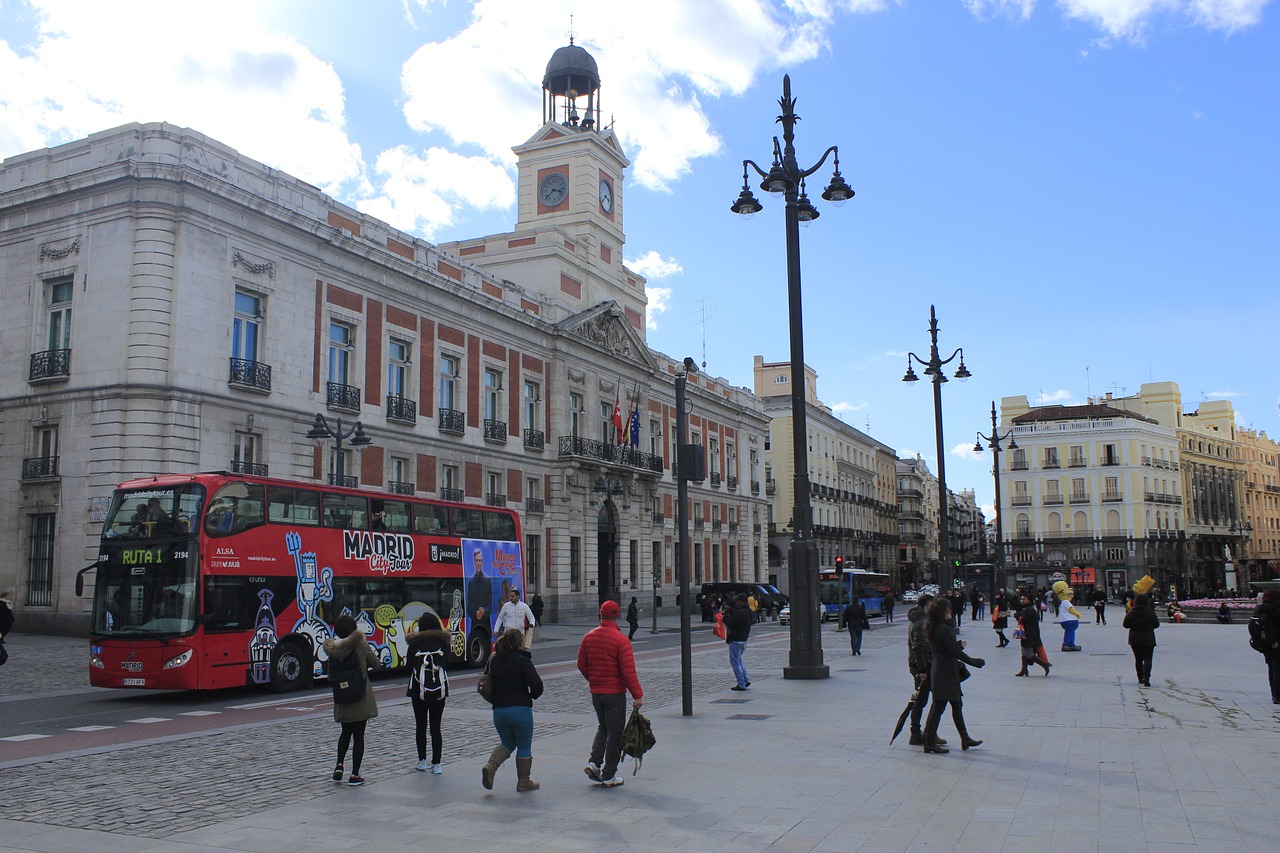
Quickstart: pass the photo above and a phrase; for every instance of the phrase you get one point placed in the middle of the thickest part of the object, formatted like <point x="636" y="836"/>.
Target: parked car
<point x="784" y="615"/>
<point x="910" y="596"/>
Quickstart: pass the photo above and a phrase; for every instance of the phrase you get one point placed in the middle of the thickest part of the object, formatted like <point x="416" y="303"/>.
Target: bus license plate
<point x="134" y="682"/>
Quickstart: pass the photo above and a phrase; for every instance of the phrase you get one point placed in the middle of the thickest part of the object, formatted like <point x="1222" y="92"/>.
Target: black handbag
<point x="484" y="686"/>
<point x="964" y="671"/>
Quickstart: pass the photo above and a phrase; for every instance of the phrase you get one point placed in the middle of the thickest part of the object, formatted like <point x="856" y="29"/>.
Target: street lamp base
<point x="807" y="672"/>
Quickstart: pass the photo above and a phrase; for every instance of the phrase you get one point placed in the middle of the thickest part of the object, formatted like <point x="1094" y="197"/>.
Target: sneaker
<point x="355" y="780"/>
<point x="436" y="769"/>
<point x="593" y="771"/>
<point x="737" y="687"/>
<point x="611" y="783"/>
<point x="423" y="765"/>
<point x="337" y="773"/>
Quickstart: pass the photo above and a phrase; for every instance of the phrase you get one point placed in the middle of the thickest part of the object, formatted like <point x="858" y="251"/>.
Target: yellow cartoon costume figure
<point x="1068" y="617"/>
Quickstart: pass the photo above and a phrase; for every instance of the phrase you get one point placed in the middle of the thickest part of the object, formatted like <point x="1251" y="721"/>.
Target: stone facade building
<point x="176" y="306"/>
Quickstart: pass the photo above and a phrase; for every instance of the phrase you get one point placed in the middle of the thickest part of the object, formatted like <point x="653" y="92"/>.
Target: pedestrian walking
<point x="855" y="619"/>
<point x="1031" y="645"/>
<point x="516" y="684"/>
<point x="518" y="616"/>
<point x="1265" y="637"/>
<point x="537" y="606"/>
<point x="428" y="687"/>
<point x="888" y="608"/>
<point x="975" y="604"/>
<point x="919" y="662"/>
<point x="633" y="617"/>
<point x="1142" y="623"/>
<point x="1099" y="607"/>
<point x="945" y="677"/>
<point x="1000" y="621"/>
<point x="738" y="628"/>
<point x="353" y="716"/>
<point x="606" y="662"/>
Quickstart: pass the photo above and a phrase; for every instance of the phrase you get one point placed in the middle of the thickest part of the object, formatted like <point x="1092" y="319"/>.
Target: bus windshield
<point x="146" y="585"/>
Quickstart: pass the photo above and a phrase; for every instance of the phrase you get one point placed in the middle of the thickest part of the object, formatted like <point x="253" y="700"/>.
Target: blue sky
<point x="1086" y="189"/>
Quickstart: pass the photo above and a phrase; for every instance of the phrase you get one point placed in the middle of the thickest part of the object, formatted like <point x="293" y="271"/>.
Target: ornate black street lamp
<point x="320" y="431"/>
<point x="785" y="178"/>
<point x="993" y="441"/>
<point x="933" y="367"/>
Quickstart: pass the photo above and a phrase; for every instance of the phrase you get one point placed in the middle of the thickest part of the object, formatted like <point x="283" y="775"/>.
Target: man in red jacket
<point x="606" y="662"/>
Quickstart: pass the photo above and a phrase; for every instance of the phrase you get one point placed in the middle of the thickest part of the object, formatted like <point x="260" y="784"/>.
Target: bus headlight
<point x="95" y="660"/>
<point x="180" y="660"/>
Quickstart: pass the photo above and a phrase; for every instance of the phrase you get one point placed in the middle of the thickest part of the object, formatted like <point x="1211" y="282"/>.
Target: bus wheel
<point x="477" y="649"/>
<point x="290" y="666"/>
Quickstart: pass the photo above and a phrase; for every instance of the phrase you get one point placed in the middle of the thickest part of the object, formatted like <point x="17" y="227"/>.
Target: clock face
<point x="606" y="195"/>
<point x="553" y="189"/>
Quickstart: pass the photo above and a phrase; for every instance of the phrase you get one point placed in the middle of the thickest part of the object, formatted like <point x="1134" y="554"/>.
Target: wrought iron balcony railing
<point x="399" y="487"/>
<point x="617" y="454"/>
<point x="533" y="506"/>
<point x="715" y="479"/>
<point x="733" y="483"/>
<point x="454" y="495"/>
<point x="495" y="430"/>
<point x="40" y="468"/>
<point x="534" y="440"/>
<point x="453" y="421"/>
<point x="345" y="397"/>
<point x="250" y="374"/>
<point x="401" y="409"/>
<point x="50" y="365"/>
<point x="659" y="518"/>
<point x="346" y="481"/>
<point x="755" y="487"/>
<point x="697" y="524"/>
<point x="494" y="499"/>
<point x="257" y="469"/>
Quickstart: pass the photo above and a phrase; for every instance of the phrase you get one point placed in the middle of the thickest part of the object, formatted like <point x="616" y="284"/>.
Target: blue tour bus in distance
<point x="836" y="589"/>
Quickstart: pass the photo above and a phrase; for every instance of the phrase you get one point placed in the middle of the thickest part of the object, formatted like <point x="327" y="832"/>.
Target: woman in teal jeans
<point x="515" y="685"/>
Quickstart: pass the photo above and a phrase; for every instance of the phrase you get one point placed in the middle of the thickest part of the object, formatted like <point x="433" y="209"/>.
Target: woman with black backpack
<point x="350" y="660"/>
<point x="428" y="686"/>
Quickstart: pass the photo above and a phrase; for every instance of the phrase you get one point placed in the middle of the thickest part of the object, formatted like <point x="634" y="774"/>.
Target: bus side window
<point x="348" y="512"/>
<point x="500" y="526"/>
<point x="395" y="516"/>
<point x="467" y="523"/>
<point x="293" y="506"/>
<point x="430" y="519"/>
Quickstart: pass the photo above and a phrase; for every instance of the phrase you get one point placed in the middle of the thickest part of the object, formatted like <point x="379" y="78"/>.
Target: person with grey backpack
<point x="428" y="687"/>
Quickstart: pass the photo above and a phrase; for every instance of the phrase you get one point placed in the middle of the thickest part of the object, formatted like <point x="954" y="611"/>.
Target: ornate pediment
<point x="605" y="326"/>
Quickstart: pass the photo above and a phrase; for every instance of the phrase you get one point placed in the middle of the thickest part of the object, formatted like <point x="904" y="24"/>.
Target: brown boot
<point x="524" y="766"/>
<point x="499" y="755"/>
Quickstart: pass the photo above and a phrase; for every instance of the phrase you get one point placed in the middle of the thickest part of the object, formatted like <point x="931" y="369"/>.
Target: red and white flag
<point x="617" y="419"/>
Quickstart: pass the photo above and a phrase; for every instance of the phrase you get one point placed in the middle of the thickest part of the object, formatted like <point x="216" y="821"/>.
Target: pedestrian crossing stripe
<point x="147" y="720"/>
<point x="199" y="713"/>
<point x="18" y="738"/>
<point x="90" y="728"/>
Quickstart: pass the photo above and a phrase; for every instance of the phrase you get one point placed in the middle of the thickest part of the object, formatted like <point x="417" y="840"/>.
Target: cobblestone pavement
<point x="158" y="789"/>
<point x="62" y="663"/>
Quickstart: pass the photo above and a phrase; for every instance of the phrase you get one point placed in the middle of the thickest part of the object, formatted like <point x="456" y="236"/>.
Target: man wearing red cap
<point x="606" y="662"/>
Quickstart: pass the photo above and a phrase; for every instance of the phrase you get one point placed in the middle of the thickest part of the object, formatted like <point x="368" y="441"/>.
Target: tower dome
<point x="571" y="74"/>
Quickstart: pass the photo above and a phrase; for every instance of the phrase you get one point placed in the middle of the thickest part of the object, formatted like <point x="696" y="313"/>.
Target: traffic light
<point x="955" y="563"/>
<point x="839" y="563"/>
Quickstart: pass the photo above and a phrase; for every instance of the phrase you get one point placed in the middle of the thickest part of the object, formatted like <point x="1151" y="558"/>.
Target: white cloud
<point x="652" y="265"/>
<point x="1062" y="395"/>
<point x="421" y="193"/>
<point x="985" y="9"/>
<point x="966" y="451"/>
<point x="1130" y="20"/>
<point x="1225" y="395"/>
<point x="1229" y="15"/>
<point x="659" y="302"/>
<point x="843" y="408"/>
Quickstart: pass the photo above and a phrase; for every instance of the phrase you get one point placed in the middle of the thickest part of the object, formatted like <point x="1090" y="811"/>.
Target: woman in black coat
<point x="944" y="676"/>
<point x="1142" y="623"/>
<point x="430" y="640"/>
<point x="516" y="684"/>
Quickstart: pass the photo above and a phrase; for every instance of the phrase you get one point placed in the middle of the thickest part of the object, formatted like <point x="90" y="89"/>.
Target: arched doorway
<point x="607" y="550"/>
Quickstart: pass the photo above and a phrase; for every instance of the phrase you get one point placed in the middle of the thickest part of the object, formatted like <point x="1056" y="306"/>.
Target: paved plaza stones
<point x="1083" y="759"/>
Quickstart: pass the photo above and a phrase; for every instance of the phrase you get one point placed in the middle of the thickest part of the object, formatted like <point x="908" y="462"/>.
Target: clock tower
<point x="568" y="238"/>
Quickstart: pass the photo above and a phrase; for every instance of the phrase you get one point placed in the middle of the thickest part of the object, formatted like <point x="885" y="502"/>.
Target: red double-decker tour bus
<point x="217" y="579"/>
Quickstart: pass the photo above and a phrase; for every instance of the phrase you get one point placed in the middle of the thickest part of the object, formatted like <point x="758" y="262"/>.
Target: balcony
<point x="534" y="506"/>
<point x="715" y="479"/>
<point x="534" y="440"/>
<point x="698" y="524"/>
<point x="454" y="495"/>
<point x="755" y="487"/>
<point x="344" y="397"/>
<point x="40" y="468"/>
<point x="769" y="487"/>
<point x="733" y="484"/>
<point x="50" y="365"/>
<point x="399" y="487"/>
<point x="494" y="499"/>
<point x="1019" y="465"/>
<point x="1022" y="500"/>
<point x="453" y="421"/>
<point x="1077" y="462"/>
<point x="659" y="518"/>
<point x="715" y="525"/>
<point x="733" y="527"/>
<point x="253" y="375"/>
<point x="1112" y="497"/>
<point x="1110" y="463"/>
<point x="1154" y="498"/>
<point x="401" y="409"/>
<point x="1051" y="463"/>
<point x="495" y="430"/>
<point x="257" y="469"/>
<point x="910" y="493"/>
<point x="1050" y="500"/>
<point x="1079" y="498"/>
<point x="616" y="454"/>
<point x="345" y="481"/>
